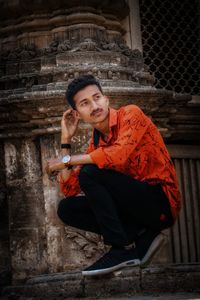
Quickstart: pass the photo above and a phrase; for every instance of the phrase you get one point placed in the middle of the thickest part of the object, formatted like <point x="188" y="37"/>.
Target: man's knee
<point x="89" y="169"/>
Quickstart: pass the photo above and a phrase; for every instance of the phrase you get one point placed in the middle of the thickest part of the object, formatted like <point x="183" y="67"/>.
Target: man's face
<point x="91" y="105"/>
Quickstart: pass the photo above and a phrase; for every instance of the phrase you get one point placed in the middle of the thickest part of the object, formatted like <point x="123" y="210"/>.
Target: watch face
<point x="66" y="159"/>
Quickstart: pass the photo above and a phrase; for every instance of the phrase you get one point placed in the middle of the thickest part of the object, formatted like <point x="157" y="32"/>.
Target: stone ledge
<point x="129" y="281"/>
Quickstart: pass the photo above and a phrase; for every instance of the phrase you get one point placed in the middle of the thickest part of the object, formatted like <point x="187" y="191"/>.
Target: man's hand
<point x="69" y="124"/>
<point x="53" y="166"/>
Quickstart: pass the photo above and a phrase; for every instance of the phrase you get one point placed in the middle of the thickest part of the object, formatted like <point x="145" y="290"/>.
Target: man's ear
<point x="77" y="114"/>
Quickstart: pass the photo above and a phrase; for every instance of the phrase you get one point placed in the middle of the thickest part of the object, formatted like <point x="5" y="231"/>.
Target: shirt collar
<point x="112" y="117"/>
<point x="112" y="123"/>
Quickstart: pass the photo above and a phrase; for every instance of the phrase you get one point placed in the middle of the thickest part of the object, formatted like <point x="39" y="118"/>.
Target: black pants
<point x="115" y="206"/>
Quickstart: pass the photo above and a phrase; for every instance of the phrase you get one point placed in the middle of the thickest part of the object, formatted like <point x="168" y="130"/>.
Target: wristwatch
<point x="66" y="160"/>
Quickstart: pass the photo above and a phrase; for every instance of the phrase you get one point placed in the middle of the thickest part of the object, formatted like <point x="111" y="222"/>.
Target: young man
<point x="127" y="177"/>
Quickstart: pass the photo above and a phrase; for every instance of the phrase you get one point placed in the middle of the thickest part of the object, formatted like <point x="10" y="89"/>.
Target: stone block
<point x="12" y="68"/>
<point x="55" y="248"/>
<point x="3" y="208"/>
<point x="38" y="87"/>
<point x="5" y="278"/>
<point x="56" y="286"/>
<point x="170" y="278"/>
<point x="4" y="249"/>
<point x="22" y="160"/>
<point x="29" y="66"/>
<point x="48" y="63"/>
<point x="126" y="281"/>
<point x="23" y="209"/>
<point x="51" y="199"/>
<point x="27" y="246"/>
<point x="5" y="269"/>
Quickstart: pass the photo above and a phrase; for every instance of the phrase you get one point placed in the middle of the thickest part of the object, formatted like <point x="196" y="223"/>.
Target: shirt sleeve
<point x="71" y="187"/>
<point x="133" y="124"/>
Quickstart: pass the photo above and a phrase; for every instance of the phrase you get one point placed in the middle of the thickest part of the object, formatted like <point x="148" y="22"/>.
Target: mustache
<point x="96" y="111"/>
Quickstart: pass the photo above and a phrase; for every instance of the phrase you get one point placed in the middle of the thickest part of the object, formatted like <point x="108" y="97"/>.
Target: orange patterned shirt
<point x="134" y="147"/>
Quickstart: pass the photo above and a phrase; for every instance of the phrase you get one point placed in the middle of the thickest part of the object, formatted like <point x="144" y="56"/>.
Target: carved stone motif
<point x="17" y="66"/>
<point x="53" y="46"/>
<point x="25" y="52"/>
<point x="87" y="45"/>
<point x="64" y="46"/>
<point x="89" y="243"/>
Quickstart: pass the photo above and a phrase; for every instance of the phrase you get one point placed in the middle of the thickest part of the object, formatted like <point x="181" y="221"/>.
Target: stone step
<point x="127" y="282"/>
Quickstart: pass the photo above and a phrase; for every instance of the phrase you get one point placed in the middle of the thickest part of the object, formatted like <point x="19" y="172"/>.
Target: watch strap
<point x="69" y="167"/>
<point x="65" y="146"/>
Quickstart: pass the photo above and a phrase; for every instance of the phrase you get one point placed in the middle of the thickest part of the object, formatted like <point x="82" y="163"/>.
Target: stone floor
<point x="183" y="296"/>
<point x="169" y="282"/>
<point x="178" y="296"/>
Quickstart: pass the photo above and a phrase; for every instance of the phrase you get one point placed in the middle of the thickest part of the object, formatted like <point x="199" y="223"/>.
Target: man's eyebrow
<point x="97" y="93"/>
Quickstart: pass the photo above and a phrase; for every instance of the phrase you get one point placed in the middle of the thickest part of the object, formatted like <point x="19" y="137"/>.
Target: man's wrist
<point x="66" y="160"/>
<point x="65" y="140"/>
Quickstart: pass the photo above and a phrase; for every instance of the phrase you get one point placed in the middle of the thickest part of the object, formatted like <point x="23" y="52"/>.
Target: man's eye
<point x="84" y="103"/>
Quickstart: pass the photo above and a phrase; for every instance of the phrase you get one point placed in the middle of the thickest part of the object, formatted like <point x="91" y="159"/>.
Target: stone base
<point x="127" y="282"/>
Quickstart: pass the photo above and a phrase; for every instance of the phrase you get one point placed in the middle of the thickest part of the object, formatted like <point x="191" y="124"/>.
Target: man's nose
<point x="94" y="105"/>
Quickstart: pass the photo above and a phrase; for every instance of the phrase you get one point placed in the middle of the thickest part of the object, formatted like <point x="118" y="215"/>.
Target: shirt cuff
<point x="99" y="157"/>
<point x="70" y="186"/>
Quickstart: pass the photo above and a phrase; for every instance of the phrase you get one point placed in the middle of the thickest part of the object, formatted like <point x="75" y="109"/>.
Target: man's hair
<point x="78" y="84"/>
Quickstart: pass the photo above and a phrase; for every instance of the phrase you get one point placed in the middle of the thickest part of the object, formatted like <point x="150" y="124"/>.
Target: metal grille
<point x="185" y="234"/>
<point x="170" y="37"/>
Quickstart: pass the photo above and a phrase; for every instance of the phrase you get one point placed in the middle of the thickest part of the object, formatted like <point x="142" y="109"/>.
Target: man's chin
<point x="99" y="119"/>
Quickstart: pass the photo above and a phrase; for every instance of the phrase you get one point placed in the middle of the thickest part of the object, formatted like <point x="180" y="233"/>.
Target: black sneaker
<point x="113" y="260"/>
<point x="148" y="244"/>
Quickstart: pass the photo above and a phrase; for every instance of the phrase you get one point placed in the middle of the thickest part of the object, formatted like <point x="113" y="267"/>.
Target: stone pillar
<point x="132" y="26"/>
<point x="26" y="208"/>
<point x="51" y="197"/>
<point x="5" y="257"/>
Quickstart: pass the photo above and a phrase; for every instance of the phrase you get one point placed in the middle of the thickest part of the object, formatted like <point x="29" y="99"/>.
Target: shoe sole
<point x="130" y="263"/>
<point x="155" y="246"/>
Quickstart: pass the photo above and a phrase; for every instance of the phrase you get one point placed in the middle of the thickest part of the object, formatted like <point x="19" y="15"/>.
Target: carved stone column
<point x="5" y="258"/>
<point x="132" y="25"/>
<point x="26" y="208"/>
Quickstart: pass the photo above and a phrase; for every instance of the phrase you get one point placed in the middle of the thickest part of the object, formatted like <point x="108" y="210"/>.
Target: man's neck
<point x="103" y="127"/>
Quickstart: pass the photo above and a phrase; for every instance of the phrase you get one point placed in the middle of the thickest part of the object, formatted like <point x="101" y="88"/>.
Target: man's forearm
<point x="75" y="160"/>
<point x="78" y="159"/>
<point x="81" y="159"/>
